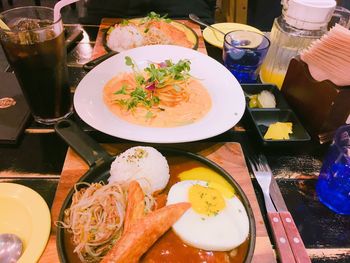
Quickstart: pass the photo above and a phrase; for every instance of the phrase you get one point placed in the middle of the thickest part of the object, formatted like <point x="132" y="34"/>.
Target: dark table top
<point x="37" y="159"/>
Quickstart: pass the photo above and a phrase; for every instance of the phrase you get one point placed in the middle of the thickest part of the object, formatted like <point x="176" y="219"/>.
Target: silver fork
<point x="263" y="175"/>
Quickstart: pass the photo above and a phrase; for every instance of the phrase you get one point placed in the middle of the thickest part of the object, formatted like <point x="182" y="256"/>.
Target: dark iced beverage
<point x="35" y="49"/>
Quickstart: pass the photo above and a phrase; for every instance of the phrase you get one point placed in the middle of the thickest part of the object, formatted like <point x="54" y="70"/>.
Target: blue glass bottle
<point x="333" y="185"/>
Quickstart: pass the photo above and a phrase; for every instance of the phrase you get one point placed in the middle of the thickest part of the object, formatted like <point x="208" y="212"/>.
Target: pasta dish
<point x="161" y="95"/>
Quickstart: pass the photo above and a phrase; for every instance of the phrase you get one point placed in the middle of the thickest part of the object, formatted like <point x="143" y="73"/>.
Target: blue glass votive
<point x="333" y="185"/>
<point x="243" y="54"/>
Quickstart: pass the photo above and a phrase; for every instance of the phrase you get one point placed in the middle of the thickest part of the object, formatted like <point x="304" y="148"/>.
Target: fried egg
<point x="214" y="222"/>
<point x="213" y="179"/>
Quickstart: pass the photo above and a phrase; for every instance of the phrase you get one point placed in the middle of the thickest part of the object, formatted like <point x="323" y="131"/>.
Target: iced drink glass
<point x="243" y="54"/>
<point x="333" y="185"/>
<point x="35" y="48"/>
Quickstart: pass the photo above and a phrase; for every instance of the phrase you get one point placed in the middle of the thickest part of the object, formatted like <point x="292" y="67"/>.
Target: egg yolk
<point x="206" y="200"/>
<point x="214" y="180"/>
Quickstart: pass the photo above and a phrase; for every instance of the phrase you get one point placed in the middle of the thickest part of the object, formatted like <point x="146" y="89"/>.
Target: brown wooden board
<point x="100" y="50"/>
<point x="228" y="155"/>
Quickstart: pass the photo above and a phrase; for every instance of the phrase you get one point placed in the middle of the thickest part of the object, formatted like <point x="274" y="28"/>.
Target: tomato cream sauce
<point x="193" y="108"/>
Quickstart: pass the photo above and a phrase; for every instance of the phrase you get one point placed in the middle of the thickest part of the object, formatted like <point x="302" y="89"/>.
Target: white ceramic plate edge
<point x="226" y="93"/>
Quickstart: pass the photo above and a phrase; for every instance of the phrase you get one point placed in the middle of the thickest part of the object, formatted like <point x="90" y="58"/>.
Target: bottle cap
<point x="309" y="14"/>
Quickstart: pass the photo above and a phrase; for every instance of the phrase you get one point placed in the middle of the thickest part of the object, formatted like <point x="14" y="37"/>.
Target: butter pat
<point x="279" y="131"/>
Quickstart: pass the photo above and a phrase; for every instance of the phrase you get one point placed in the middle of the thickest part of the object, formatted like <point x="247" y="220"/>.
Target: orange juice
<point x="269" y="76"/>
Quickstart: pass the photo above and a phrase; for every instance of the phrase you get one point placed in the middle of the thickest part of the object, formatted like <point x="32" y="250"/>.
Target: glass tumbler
<point x="34" y="46"/>
<point x="333" y="185"/>
<point x="243" y="54"/>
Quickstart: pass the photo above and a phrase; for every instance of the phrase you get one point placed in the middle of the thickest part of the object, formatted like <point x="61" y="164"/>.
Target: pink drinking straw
<point x="58" y="6"/>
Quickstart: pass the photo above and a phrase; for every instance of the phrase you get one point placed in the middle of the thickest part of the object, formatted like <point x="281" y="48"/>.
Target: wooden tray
<point x="100" y="50"/>
<point x="228" y="155"/>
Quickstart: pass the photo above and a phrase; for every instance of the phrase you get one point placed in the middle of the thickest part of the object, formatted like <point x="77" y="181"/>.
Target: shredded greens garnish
<point x="122" y="90"/>
<point x="110" y="29"/>
<point x="153" y="16"/>
<point x="124" y="22"/>
<point x="154" y="77"/>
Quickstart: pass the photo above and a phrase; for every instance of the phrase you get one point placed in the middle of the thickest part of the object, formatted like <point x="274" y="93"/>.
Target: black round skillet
<point x="100" y="161"/>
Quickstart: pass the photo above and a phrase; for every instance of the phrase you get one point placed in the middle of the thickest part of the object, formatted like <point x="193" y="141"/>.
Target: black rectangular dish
<point x="263" y="117"/>
<point x="254" y="89"/>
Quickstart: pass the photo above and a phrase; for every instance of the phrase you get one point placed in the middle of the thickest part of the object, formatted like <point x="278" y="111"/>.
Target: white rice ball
<point x="144" y="164"/>
<point x="124" y="37"/>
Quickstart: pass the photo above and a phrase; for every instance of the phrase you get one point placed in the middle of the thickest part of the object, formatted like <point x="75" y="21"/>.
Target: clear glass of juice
<point x="34" y="46"/>
<point x="243" y="54"/>
<point x="333" y="185"/>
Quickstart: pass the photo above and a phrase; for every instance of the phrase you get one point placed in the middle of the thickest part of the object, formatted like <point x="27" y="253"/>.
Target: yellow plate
<point x="217" y="39"/>
<point x="25" y="213"/>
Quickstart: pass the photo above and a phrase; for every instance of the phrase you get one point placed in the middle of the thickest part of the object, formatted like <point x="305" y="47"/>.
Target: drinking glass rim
<point x="31" y="7"/>
<point x="240" y="30"/>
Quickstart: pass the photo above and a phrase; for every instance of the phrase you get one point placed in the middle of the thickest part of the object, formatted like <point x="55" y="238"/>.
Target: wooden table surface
<point x="37" y="161"/>
<point x="228" y="155"/>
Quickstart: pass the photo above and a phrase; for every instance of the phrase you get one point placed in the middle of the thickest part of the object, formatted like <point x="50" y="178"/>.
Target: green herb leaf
<point x="129" y="62"/>
<point x="155" y="100"/>
<point x="149" y="115"/>
<point x="124" y="22"/>
<point x="156" y="17"/>
<point x="110" y="29"/>
<point x="122" y="102"/>
<point x="140" y="80"/>
<point x="122" y="90"/>
<point x="139" y="93"/>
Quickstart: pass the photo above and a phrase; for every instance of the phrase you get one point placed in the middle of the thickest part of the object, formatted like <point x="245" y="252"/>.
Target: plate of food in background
<point x="150" y="30"/>
<point x="126" y="209"/>
<point x="160" y="94"/>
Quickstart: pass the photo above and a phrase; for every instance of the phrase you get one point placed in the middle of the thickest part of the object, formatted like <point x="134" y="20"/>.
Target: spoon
<point x="196" y="19"/>
<point x="10" y="248"/>
<point x="241" y="43"/>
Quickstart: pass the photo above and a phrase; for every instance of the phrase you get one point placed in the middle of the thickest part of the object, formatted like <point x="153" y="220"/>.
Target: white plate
<point x="226" y="93"/>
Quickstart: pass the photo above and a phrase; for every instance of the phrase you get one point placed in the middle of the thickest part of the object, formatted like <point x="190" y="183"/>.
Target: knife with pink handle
<point x="295" y="241"/>
<point x="280" y="236"/>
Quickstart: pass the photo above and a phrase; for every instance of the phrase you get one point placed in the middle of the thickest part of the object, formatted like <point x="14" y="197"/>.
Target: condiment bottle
<point x="301" y="22"/>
